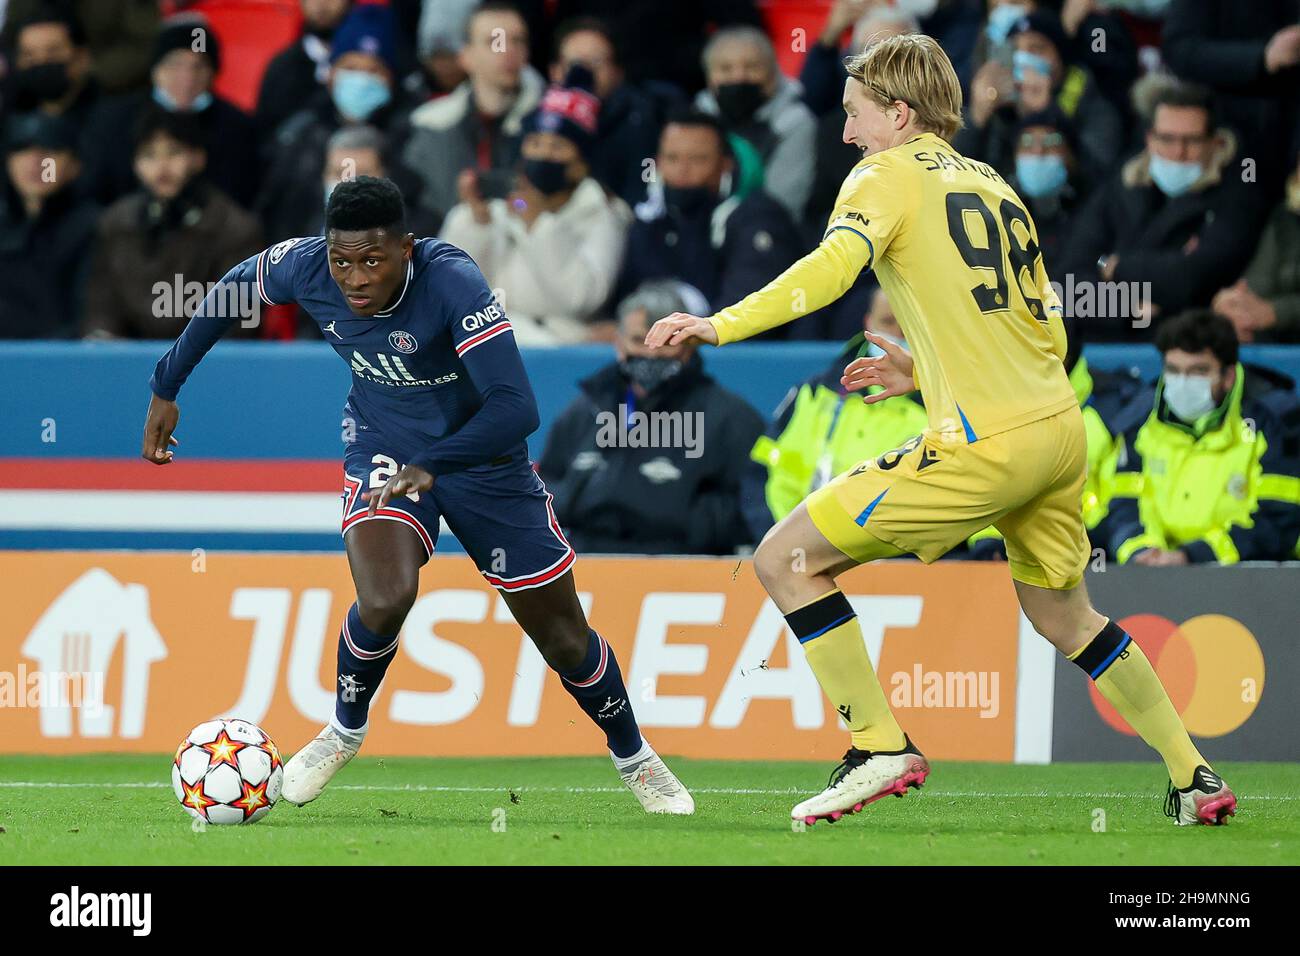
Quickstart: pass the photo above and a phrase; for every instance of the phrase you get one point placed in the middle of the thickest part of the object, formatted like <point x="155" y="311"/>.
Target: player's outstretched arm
<point x="159" y="424"/>
<point x="891" y="371"/>
<point x="814" y="281"/>
<point x="681" y="327"/>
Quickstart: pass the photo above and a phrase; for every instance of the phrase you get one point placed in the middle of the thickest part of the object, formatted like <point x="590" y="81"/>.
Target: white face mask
<point x="1189" y="396"/>
<point x="873" y="349"/>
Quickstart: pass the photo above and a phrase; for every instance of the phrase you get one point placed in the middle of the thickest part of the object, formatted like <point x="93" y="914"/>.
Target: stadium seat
<point x="250" y="32"/>
<point x="782" y="18"/>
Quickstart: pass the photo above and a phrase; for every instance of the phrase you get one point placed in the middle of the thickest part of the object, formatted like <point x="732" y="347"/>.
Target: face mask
<point x="46" y="83"/>
<point x="201" y="102"/>
<point x="1022" y="62"/>
<point x="649" y="373"/>
<point x="1189" y="396"/>
<point x="547" y="175"/>
<point x="738" y="102"/>
<point x="1040" y="176"/>
<point x="689" y="200"/>
<point x="357" y="93"/>
<point x="1001" y="20"/>
<point x="1174" y="178"/>
<point x="874" y="350"/>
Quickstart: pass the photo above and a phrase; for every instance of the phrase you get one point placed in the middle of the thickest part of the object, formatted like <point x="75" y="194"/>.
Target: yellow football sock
<point x="1126" y="678"/>
<point x="832" y="642"/>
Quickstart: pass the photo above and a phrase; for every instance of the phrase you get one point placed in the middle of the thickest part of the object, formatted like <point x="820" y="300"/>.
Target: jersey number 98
<point x="990" y="256"/>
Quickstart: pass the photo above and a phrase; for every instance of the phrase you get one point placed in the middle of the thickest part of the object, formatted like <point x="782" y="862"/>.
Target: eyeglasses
<point x="1169" y="139"/>
<point x="1041" y="141"/>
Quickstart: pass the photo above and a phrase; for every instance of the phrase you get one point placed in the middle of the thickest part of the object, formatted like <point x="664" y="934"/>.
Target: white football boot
<point x="656" y="786"/>
<point x="1206" y="800"/>
<point x="312" y="767"/>
<point x="864" y="777"/>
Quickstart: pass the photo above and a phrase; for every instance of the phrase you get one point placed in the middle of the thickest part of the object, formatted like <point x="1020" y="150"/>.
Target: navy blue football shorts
<point x="500" y="512"/>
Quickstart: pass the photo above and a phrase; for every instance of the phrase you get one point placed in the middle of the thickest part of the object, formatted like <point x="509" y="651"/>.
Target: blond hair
<point x="912" y="68"/>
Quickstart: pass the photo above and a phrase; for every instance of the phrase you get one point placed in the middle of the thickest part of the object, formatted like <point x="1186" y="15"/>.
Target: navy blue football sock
<point x="597" y="685"/>
<point x="364" y="656"/>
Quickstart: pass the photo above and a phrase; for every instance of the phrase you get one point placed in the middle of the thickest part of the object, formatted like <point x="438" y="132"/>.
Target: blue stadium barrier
<point x="257" y="400"/>
<point x="250" y="401"/>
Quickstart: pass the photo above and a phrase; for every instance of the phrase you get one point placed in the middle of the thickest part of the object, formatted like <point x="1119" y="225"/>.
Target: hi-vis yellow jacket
<point x="819" y="432"/>
<point x="1226" y="489"/>
<point x="1103" y="396"/>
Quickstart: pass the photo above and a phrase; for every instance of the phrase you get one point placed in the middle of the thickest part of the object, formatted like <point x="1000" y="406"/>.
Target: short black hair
<point x="182" y="127"/>
<point x="568" y="28"/>
<point x="493" y="6"/>
<point x="1187" y="96"/>
<point x="1197" y="330"/>
<point x="690" y="116"/>
<point x="50" y="12"/>
<point x="366" y="202"/>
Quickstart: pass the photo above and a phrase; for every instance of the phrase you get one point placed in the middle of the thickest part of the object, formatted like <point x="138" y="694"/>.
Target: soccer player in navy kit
<point x="441" y="408"/>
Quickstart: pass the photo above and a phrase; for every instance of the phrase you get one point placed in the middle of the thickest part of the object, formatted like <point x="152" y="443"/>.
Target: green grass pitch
<point x="119" y="809"/>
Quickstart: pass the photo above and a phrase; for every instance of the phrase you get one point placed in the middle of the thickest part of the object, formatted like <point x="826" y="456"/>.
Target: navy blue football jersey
<point x="436" y="376"/>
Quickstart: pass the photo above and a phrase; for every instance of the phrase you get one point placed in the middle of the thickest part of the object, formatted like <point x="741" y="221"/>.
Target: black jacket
<point x="651" y="500"/>
<point x="726" y="253"/>
<point x="1220" y="44"/>
<point x="230" y="139"/>
<point x="44" y="263"/>
<point x="1153" y="237"/>
<point x="292" y="200"/>
<point x="628" y="134"/>
<point x="288" y="83"/>
<point x="1053" y="216"/>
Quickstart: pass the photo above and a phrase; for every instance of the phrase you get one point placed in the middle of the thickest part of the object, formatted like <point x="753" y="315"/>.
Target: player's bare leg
<point x="553" y="618"/>
<point x="385" y="558"/>
<point x="797" y="566"/>
<point x="1125" y="677"/>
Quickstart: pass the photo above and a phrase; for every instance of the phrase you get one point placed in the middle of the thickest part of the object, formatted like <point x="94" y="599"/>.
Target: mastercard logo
<point x="1211" y="666"/>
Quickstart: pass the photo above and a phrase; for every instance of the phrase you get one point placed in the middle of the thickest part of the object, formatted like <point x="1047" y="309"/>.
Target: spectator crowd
<point x="606" y="162"/>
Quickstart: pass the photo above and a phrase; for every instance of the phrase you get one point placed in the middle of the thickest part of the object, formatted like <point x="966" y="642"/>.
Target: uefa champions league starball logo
<point x="403" y="342"/>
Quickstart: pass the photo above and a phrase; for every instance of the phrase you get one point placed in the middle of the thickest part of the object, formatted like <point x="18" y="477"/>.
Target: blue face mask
<point x="1001" y="20"/>
<point x="1022" y="62"/>
<point x="357" y="93"/>
<point x="1174" y="178"/>
<point x="201" y="102"/>
<point x="1040" y="175"/>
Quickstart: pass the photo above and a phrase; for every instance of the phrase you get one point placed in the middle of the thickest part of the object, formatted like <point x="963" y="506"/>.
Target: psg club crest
<point x="403" y="342"/>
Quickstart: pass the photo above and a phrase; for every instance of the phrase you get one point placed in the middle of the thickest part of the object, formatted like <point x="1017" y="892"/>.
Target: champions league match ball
<point x="227" y="771"/>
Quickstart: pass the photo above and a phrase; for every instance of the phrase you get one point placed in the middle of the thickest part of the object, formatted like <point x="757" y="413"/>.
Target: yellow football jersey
<point x="958" y="257"/>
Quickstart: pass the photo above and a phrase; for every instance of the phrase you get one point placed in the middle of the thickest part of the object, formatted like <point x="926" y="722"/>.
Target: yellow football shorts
<point x="929" y="496"/>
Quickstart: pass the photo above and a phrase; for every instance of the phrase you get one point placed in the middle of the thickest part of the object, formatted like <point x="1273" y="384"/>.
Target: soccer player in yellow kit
<point x="957" y="254"/>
